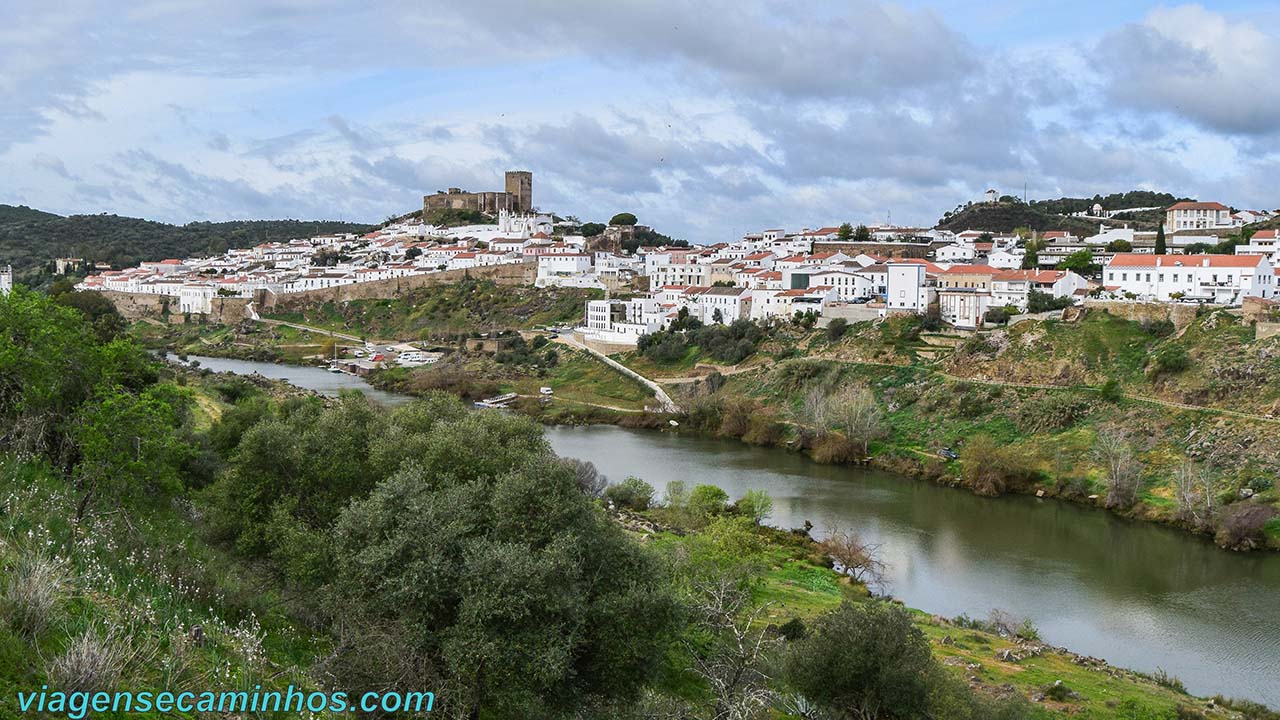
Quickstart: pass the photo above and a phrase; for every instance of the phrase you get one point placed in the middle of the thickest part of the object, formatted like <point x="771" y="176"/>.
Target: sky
<point x="707" y="120"/>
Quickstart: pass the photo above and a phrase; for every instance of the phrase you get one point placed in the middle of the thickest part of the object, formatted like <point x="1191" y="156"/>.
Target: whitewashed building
<point x="1222" y="279"/>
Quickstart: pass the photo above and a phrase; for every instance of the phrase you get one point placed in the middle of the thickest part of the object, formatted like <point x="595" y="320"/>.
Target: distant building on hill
<point x="517" y="198"/>
<point x="6" y="280"/>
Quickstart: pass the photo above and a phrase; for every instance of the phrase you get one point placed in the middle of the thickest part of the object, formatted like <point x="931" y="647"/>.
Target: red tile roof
<point x="1145" y="261"/>
<point x="1187" y="205"/>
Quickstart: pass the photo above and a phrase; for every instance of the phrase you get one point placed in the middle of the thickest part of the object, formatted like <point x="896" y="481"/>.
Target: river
<point x="1137" y="595"/>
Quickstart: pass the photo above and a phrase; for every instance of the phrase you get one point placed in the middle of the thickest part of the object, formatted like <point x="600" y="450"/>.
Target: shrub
<point x="835" y="448"/>
<point x="32" y="593"/>
<point x="757" y="505"/>
<point x="1170" y="359"/>
<point x="632" y="493"/>
<point x="793" y="629"/>
<point x="1038" y="302"/>
<point x="1111" y="391"/>
<point x="1242" y="526"/>
<point x="991" y="468"/>
<point x="836" y="329"/>
<point x="996" y="316"/>
<point x="92" y="662"/>
<point x="707" y="500"/>
<point x="1050" y="412"/>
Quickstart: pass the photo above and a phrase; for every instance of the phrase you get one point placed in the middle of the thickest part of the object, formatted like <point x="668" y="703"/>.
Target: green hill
<point x="1006" y="215"/>
<point x="30" y="238"/>
<point x="1055" y="214"/>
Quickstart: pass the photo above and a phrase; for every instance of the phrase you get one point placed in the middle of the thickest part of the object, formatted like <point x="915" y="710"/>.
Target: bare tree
<point x="854" y="557"/>
<point x="813" y="409"/>
<point x="590" y="480"/>
<point x="858" y="411"/>
<point x="1113" y="450"/>
<point x="734" y="664"/>
<point x="1196" y="491"/>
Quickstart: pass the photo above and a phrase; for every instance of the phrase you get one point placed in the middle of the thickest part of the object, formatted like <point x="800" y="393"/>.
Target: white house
<point x="1013" y="287"/>
<point x="195" y="298"/>
<point x="6" y="280"/>
<point x="908" y="287"/>
<point x="1222" y="279"/>
<point x="621" y="321"/>
<point x="964" y="307"/>
<point x="1263" y="242"/>
<point x="679" y="274"/>
<point x="848" y="284"/>
<point x="1196" y="216"/>
<point x="553" y="269"/>
<point x="956" y="253"/>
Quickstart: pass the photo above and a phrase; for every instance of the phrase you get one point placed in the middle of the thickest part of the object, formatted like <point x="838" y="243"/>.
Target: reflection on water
<point x="1137" y="595"/>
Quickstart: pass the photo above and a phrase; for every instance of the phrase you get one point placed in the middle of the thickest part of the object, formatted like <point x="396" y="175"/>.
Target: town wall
<point x="1180" y="314"/>
<point x="164" y="308"/>
<point x="1267" y="330"/>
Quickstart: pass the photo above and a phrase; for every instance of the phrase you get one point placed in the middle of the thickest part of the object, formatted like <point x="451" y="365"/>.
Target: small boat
<point x="335" y="369"/>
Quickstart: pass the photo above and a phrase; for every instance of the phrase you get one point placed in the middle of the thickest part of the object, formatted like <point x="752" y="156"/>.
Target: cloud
<point x="856" y="49"/>
<point x="1195" y="64"/>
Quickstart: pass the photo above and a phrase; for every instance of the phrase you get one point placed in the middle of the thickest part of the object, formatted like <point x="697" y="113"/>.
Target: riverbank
<point x="1105" y="586"/>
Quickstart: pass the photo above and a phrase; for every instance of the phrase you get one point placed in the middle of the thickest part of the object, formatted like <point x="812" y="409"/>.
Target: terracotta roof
<point x="1187" y="205"/>
<point x="1146" y="261"/>
<point x="970" y="270"/>
<point x="1265" y="234"/>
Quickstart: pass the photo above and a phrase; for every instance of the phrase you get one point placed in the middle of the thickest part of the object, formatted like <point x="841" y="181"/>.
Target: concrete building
<point x="6" y="280"/>
<point x="1221" y="279"/>
<point x="1196" y="216"/>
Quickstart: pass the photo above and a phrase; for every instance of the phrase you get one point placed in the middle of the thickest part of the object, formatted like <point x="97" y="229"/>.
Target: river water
<point x="1137" y="595"/>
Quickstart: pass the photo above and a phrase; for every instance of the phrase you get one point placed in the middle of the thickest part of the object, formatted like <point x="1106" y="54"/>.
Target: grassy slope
<point x="151" y="577"/>
<point x="933" y="404"/>
<point x="466" y="307"/>
<point x="794" y="587"/>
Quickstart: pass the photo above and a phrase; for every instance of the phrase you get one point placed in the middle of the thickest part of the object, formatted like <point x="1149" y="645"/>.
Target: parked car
<point x="949" y="454"/>
<point x="546" y="390"/>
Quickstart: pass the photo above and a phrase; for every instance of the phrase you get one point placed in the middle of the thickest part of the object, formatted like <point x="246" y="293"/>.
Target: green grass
<point x="471" y="306"/>
<point x="580" y="377"/>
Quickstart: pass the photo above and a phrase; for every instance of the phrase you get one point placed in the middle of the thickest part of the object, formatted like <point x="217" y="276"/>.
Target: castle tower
<point x="520" y="189"/>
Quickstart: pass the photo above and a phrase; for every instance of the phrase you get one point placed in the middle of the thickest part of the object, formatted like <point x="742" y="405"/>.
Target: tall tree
<point x="1160" y="245"/>
<point x="845" y="232"/>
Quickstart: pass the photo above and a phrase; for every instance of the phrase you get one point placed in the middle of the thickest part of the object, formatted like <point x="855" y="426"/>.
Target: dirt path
<point x="668" y="405"/>
<point x="315" y="330"/>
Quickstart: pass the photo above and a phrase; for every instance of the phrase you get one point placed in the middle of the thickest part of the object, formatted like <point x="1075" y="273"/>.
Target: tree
<point x="1196" y="491"/>
<point x="632" y="493"/>
<point x="757" y="505"/>
<point x="1119" y="246"/>
<point x="862" y="234"/>
<point x="623" y="218"/>
<point x="591" y="481"/>
<point x="860" y="415"/>
<point x="1030" y="259"/>
<point x="1161" y="249"/>
<point x="845" y="232"/>
<point x="1080" y="261"/>
<point x="129" y="449"/>
<point x="865" y="661"/>
<point x="591" y="229"/>
<point x="507" y="591"/>
<point x="836" y="329"/>
<point x="1111" y="447"/>
<point x="992" y="468"/>
<point x="707" y="500"/>
<point x="853" y="556"/>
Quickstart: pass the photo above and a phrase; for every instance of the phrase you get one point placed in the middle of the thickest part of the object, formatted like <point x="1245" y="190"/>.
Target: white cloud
<point x="1195" y="64"/>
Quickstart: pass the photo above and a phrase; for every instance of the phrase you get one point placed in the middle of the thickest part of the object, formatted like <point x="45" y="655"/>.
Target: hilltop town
<point x="1201" y="252"/>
